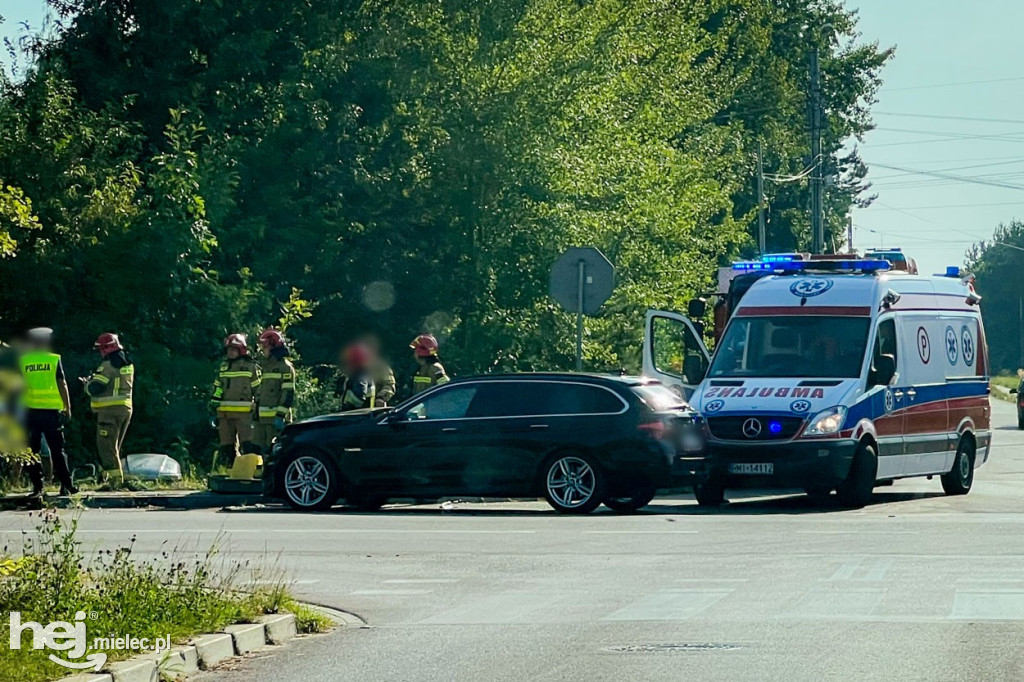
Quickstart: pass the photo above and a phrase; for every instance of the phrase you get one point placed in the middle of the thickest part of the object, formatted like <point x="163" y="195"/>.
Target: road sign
<point x="582" y="279"/>
<point x="598" y="275"/>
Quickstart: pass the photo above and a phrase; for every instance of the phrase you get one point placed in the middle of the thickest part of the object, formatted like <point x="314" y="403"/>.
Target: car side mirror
<point x="884" y="370"/>
<point x="1014" y="391"/>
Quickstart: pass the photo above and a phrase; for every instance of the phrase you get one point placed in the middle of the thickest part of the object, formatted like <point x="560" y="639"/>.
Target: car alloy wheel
<point x="307" y="482"/>
<point x="573" y="484"/>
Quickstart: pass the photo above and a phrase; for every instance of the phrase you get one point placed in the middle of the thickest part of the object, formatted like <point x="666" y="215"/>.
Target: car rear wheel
<point x="1020" y="419"/>
<point x="856" y="490"/>
<point x="640" y="497"/>
<point x="311" y="482"/>
<point x="961" y="477"/>
<point x="573" y="484"/>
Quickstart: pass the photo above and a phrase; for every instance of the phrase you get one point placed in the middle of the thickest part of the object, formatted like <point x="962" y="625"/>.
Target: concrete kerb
<point x="208" y="651"/>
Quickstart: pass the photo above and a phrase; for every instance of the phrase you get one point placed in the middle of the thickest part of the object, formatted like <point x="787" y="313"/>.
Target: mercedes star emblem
<point x="752" y="428"/>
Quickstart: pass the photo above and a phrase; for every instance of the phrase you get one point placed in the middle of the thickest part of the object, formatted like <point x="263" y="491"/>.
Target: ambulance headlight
<point x="827" y="422"/>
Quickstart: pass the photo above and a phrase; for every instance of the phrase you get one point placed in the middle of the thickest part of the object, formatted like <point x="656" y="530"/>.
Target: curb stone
<point x="280" y="627"/>
<point x="208" y="651"/>
<point x="134" y="670"/>
<point x="178" y="663"/>
<point x="248" y="637"/>
<point x="214" y="649"/>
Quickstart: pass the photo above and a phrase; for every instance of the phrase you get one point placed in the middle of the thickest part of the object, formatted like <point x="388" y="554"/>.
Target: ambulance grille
<point x="732" y="427"/>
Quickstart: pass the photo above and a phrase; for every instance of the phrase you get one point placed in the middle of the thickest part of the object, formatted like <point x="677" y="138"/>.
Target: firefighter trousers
<point x="234" y="429"/>
<point x="264" y="434"/>
<point x="111" y="427"/>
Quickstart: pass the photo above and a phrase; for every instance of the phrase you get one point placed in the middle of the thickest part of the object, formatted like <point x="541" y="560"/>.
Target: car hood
<point x="781" y="395"/>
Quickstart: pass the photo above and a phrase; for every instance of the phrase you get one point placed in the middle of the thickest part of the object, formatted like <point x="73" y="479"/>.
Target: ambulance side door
<point x="674" y="352"/>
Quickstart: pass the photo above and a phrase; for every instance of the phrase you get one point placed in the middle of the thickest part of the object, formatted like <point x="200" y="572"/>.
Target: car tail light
<point x="655" y="429"/>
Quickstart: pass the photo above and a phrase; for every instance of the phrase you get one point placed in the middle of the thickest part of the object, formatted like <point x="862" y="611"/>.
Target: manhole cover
<point x="669" y="648"/>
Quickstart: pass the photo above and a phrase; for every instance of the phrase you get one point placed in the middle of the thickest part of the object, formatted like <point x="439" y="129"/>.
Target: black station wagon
<point x="577" y="439"/>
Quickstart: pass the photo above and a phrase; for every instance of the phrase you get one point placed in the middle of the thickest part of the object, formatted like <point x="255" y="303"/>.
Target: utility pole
<point x="817" y="209"/>
<point x="761" y="231"/>
<point x="849" y="234"/>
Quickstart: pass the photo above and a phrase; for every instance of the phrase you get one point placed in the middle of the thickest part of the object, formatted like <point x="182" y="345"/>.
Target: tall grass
<point x="176" y="593"/>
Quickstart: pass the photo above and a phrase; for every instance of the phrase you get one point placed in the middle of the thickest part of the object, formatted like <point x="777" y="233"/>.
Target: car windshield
<point x="658" y="397"/>
<point x="792" y="346"/>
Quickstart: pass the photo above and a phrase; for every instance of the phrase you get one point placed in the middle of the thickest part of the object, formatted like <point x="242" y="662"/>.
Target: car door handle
<point x="912" y="393"/>
<point x="449" y="429"/>
<point x="538" y="426"/>
<point x="898" y="394"/>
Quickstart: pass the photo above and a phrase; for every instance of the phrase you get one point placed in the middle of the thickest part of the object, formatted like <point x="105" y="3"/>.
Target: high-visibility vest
<point x="39" y="371"/>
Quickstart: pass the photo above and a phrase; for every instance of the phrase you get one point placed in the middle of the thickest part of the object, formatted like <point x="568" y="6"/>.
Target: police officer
<point x="356" y="386"/>
<point x="276" y="391"/>
<point x="47" y="407"/>
<point x="430" y="372"/>
<point x="234" y="392"/>
<point x="110" y="396"/>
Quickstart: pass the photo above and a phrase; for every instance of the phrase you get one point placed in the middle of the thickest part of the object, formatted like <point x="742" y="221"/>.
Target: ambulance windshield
<point x="792" y="346"/>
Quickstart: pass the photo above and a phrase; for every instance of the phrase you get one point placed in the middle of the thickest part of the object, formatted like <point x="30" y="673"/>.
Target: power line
<point x="945" y="176"/>
<point x="944" y="206"/>
<point x="1018" y="160"/>
<point x="1015" y="121"/>
<point x="957" y="84"/>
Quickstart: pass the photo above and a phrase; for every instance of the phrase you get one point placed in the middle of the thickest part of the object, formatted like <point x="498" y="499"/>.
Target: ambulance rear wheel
<point x="855" y="491"/>
<point x="961" y="477"/>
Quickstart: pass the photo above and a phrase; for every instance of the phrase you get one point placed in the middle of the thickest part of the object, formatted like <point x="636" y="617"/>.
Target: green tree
<point x="997" y="265"/>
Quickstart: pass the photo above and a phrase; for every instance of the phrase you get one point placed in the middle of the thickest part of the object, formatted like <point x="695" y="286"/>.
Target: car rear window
<point x="658" y="397"/>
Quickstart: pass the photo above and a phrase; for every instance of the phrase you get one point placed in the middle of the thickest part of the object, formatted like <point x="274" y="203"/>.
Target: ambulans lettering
<point x="801" y="392"/>
<point x="782" y="393"/>
<point x="763" y="392"/>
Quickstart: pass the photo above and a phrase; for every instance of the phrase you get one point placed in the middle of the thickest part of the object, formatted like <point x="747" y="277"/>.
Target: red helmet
<point x="357" y="356"/>
<point x="107" y="343"/>
<point x="424" y="346"/>
<point x="271" y="338"/>
<point x="237" y="341"/>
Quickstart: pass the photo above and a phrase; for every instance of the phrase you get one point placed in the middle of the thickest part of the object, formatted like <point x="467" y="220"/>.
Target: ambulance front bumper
<point x="794" y="464"/>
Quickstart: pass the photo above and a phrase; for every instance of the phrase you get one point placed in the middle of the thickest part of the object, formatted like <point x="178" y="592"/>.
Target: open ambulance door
<point x="674" y="352"/>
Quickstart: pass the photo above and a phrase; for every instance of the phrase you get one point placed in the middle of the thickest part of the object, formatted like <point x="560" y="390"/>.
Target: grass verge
<point x="176" y="594"/>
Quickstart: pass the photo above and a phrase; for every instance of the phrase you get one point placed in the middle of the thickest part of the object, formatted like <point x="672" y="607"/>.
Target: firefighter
<point x="356" y="386"/>
<point x="430" y="372"/>
<point x="384" y="382"/>
<point x="276" y="391"/>
<point x="110" y="396"/>
<point x="47" y="407"/>
<point x="233" y="398"/>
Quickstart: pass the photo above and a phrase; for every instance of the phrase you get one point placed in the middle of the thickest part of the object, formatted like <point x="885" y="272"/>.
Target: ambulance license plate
<point x="765" y="469"/>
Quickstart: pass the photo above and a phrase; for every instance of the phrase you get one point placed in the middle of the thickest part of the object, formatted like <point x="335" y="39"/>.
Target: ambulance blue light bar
<point x="860" y="265"/>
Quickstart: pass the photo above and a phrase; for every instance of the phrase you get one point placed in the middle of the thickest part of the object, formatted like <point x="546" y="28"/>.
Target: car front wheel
<point x="573" y="484"/>
<point x="311" y="482"/>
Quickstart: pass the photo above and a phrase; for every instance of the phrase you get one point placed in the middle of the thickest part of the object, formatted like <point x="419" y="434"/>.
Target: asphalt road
<point x="917" y="586"/>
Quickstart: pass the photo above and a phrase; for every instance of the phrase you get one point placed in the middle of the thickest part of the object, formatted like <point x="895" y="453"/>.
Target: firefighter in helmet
<point x="110" y="396"/>
<point x="356" y="386"/>
<point x="276" y="391"/>
<point x="429" y="372"/>
<point x="234" y="392"/>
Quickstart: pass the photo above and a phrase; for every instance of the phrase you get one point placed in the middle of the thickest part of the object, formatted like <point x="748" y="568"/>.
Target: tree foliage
<point x="398" y="167"/>
<point x="1000" y="281"/>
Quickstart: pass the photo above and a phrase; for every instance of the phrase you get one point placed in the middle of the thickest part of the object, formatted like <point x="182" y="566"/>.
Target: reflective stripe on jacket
<point x="236" y="384"/>
<point x="110" y="386"/>
<point x="39" y="371"/>
<point x="428" y="375"/>
<point x="276" y="388"/>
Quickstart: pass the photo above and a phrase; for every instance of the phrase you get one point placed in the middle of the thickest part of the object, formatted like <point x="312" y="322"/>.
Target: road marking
<point x="670" y="605"/>
<point x="857" y="532"/>
<point x="837" y="604"/>
<point x="873" y="570"/>
<point x="421" y="581"/>
<point x="846" y="571"/>
<point x="712" y="580"/>
<point x="506" y="607"/>
<point x="389" y="593"/>
<point x="988" y="604"/>
<point x="290" y="531"/>
<point x="641" y="532"/>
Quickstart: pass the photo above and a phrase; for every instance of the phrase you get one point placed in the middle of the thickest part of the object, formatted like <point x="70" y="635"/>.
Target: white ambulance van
<point x="835" y="375"/>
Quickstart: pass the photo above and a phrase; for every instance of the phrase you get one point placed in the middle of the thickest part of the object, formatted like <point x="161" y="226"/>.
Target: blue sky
<point x="958" y="66"/>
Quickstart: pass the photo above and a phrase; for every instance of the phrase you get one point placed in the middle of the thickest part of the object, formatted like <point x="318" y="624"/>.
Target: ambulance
<point x="834" y="375"/>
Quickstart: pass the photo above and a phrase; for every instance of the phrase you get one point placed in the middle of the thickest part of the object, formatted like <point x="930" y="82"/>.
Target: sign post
<point x="582" y="279"/>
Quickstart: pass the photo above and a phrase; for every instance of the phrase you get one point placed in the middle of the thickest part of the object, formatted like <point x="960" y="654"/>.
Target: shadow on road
<point x="740" y="503"/>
